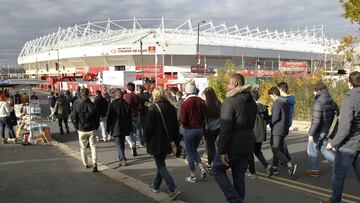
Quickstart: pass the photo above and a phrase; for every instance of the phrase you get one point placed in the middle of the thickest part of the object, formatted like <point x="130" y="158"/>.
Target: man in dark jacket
<point x="62" y="111"/>
<point x="347" y="139"/>
<point x="144" y="97"/>
<point x="323" y="111"/>
<point x="236" y="139"/>
<point x="279" y="130"/>
<point x="119" y="124"/>
<point x="102" y="108"/>
<point x="86" y="122"/>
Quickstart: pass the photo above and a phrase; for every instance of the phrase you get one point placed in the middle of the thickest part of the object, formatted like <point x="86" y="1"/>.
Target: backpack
<point x="260" y="123"/>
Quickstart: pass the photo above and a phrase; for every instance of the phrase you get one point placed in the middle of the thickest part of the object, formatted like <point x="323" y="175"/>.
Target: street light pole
<point x="142" y="62"/>
<point x="198" y="44"/>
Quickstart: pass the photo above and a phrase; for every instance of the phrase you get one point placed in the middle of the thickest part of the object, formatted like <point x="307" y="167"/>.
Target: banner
<point x="297" y="66"/>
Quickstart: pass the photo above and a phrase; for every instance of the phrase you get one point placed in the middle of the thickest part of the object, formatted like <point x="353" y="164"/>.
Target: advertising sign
<point x="297" y="66"/>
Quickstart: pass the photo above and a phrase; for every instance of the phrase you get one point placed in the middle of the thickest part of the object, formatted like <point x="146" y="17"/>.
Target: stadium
<point x="162" y="48"/>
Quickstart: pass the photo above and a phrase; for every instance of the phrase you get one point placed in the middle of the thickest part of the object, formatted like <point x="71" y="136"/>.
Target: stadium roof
<point x="183" y="31"/>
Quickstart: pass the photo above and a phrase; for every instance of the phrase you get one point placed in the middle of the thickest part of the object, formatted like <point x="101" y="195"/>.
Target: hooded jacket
<point x="323" y="112"/>
<point x="238" y="113"/>
<point x="348" y="134"/>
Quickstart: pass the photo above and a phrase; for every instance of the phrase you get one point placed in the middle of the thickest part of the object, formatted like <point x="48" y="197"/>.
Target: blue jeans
<point x="192" y="138"/>
<point x="140" y="129"/>
<point x="120" y="147"/>
<point x="5" y="122"/>
<point x="313" y="153"/>
<point x="163" y="173"/>
<point x="234" y="193"/>
<point x="344" y="159"/>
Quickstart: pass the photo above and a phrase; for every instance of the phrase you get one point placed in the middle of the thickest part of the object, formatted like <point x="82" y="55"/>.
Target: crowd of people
<point x="232" y="131"/>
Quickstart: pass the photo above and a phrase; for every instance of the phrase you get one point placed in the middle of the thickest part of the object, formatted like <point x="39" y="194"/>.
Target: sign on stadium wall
<point x="297" y="66"/>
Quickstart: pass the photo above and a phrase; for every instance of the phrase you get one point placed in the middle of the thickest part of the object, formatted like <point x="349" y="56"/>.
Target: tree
<point x="349" y="46"/>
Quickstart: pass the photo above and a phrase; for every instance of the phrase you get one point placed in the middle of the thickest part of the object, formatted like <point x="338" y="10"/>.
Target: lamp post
<point x="142" y="62"/>
<point x="198" y="45"/>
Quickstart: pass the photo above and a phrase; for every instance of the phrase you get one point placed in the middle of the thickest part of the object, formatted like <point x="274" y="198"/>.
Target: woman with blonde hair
<point x="161" y="129"/>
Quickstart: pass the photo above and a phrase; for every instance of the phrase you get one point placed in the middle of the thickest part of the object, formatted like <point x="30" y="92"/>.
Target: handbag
<point x="174" y="148"/>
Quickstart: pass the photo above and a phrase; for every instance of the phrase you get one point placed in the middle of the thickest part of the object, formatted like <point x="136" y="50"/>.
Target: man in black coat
<point x="119" y="123"/>
<point x="86" y="122"/>
<point x="102" y="108"/>
<point x="236" y="139"/>
<point x="279" y="130"/>
<point x="347" y="139"/>
<point x="323" y="112"/>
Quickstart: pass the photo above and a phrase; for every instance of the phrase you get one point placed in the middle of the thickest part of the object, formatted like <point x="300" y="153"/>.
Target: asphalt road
<point x="275" y="189"/>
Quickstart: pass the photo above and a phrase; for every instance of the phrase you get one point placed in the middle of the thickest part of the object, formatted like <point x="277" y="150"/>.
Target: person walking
<point x="5" y="120"/>
<point x="86" y="122"/>
<point x="347" y="139"/>
<point x="119" y="124"/>
<point x="236" y="139"/>
<point x="279" y="130"/>
<point x="290" y="99"/>
<point x="161" y="128"/>
<point x="134" y="101"/>
<point x="261" y="121"/>
<point x="102" y="109"/>
<point x="62" y="111"/>
<point x="52" y="101"/>
<point x="192" y="120"/>
<point x="213" y="108"/>
<point x="324" y="110"/>
<point x="144" y="98"/>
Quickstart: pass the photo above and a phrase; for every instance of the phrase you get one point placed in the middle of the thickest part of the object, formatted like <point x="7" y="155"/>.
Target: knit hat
<point x="190" y="88"/>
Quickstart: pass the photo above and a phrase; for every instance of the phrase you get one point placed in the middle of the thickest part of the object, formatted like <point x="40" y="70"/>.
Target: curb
<point x="120" y="177"/>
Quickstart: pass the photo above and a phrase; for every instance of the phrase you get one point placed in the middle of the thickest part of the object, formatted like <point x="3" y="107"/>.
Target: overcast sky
<point x="23" y="20"/>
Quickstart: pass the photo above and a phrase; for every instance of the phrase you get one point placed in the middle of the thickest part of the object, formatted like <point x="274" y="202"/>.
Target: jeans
<point x="60" y="120"/>
<point x="131" y="139"/>
<point x="259" y="155"/>
<point x="120" y="147"/>
<point x="105" y="135"/>
<point x="5" y="122"/>
<point x="344" y="159"/>
<point x="284" y="149"/>
<point x="276" y="142"/>
<point x="313" y="153"/>
<point x="192" y="138"/>
<point x="84" y="138"/>
<point x="140" y="129"/>
<point x="234" y="193"/>
<point x="163" y="173"/>
<point x="210" y="138"/>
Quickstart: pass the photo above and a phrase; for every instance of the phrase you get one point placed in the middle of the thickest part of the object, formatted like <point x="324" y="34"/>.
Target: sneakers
<point x="153" y="189"/>
<point x="203" y="174"/>
<point x="269" y="170"/>
<point x="4" y="141"/>
<point x="175" y="194"/>
<point x="122" y="163"/>
<point x="312" y="173"/>
<point x="134" y="152"/>
<point x="275" y="171"/>
<point x="191" y="179"/>
<point x="292" y="170"/>
<point x="251" y="175"/>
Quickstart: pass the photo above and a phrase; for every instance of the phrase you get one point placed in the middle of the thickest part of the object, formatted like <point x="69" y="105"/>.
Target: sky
<point x="23" y="20"/>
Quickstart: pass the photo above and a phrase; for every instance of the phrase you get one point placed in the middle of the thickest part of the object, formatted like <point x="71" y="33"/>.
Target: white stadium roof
<point x="181" y="31"/>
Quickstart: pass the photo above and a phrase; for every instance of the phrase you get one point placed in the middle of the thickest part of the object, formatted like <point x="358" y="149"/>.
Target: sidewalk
<point x="43" y="173"/>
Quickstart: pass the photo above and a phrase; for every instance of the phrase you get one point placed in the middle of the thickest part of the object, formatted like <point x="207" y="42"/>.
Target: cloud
<point x="23" y="20"/>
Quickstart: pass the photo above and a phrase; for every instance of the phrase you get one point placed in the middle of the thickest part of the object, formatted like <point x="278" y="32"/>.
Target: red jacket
<point x="192" y="112"/>
<point x="134" y="101"/>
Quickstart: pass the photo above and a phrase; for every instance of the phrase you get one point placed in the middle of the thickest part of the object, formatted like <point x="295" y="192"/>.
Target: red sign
<point x="198" y="69"/>
<point x="293" y="66"/>
<point x="152" y="49"/>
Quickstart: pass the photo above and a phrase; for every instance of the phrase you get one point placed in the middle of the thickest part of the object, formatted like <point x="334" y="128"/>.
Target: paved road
<point x="42" y="173"/>
<point x="262" y="189"/>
